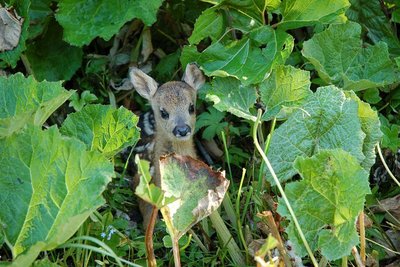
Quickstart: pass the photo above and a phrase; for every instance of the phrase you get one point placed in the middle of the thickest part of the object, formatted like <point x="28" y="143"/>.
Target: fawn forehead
<point x="175" y="94"/>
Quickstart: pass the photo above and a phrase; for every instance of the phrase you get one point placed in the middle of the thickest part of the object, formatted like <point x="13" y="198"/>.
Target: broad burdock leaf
<point x="103" y="128"/>
<point x="327" y="120"/>
<point x="21" y="9"/>
<point x="229" y="94"/>
<point x="327" y="202"/>
<point x="49" y="185"/>
<point x="197" y="189"/>
<point x="243" y="59"/>
<point x="300" y="13"/>
<point x="51" y="58"/>
<point x="370" y="125"/>
<point x="286" y="88"/>
<point x="209" y="24"/>
<point x="340" y="58"/>
<point x="370" y="15"/>
<point x="84" y="20"/>
<point x="24" y="100"/>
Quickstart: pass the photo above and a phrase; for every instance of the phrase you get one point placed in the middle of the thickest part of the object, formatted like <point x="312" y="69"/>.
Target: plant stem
<point x="386" y="166"/>
<point x="151" y="258"/>
<point x="227" y="239"/>
<point x="239" y="225"/>
<point x="175" y="249"/>
<point x="362" y="236"/>
<point x="344" y="261"/>
<point x="356" y="257"/>
<point x="278" y="184"/>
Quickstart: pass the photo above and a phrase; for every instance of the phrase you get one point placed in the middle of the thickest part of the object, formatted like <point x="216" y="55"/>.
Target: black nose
<point x="180" y="131"/>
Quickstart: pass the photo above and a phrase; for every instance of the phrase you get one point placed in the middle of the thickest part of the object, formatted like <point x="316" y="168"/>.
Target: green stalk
<point x="260" y="175"/>
<point x="227" y="239"/>
<point x="239" y="224"/>
<point x="278" y="184"/>
<point x="228" y="161"/>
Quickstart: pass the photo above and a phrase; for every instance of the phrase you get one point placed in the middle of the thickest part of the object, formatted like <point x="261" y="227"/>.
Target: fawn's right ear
<point x="143" y="83"/>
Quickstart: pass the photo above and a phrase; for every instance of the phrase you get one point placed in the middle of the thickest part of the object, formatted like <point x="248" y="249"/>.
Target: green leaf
<point x="243" y="59"/>
<point x="390" y="134"/>
<point x="84" y="20"/>
<point x="147" y="190"/>
<point x="198" y="191"/>
<point x="228" y="94"/>
<point x="49" y="185"/>
<point x="370" y="125"/>
<point x="372" y="95"/>
<point x="24" y="100"/>
<point x="39" y="16"/>
<point x="103" y="128"/>
<point x="246" y="15"/>
<point x="78" y="102"/>
<point x="370" y="15"/>
<point x="11" y="57"/>
<point x="286" y="87"/>
<point x="51" y="58"/>
<point x="167" y="67"/>
<point x="340" y="58"/>
<point x="300" y="13"/>
<point x="211" y="120"/>
<point x="209" y="24"/>
<point x="327" y="202"/>
<point x="327" y="120"/>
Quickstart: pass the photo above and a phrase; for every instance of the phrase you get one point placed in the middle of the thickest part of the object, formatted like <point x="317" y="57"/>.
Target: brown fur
<point x="174" y="98"/>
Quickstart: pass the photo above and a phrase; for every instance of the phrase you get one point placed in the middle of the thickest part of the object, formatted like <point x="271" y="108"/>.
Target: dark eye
<point x="164" y="114"/>
<point x="191" y="109"/>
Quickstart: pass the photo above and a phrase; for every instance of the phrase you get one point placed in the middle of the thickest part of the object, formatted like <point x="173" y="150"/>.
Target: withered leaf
<point x="10" y="29"/>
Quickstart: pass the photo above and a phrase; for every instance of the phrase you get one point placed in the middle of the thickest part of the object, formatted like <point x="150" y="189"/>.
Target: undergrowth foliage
<point x="313" y="83"/>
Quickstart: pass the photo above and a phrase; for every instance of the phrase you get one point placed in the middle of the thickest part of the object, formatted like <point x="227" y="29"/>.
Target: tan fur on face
<point x="175" y="98"/>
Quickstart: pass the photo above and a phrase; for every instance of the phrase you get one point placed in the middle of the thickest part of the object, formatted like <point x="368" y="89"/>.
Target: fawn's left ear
<point x="193" y="76"/>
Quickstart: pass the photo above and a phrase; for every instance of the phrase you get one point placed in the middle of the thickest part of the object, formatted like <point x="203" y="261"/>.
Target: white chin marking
<point x="183" y="138"/>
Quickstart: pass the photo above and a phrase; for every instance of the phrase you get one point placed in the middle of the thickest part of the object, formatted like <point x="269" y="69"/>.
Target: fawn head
<point x="173" y="103"/>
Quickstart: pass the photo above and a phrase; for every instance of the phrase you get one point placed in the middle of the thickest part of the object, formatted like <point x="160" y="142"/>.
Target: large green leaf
<point x="243" y="59"/>
<point x="24" y="100"/>
<point x="103" y="128"/>
<point x="300" y="13"/>
<point x="84" y="20"/>
<point x="228" y="94"/>
<point x="49" y="185"/>
<point x="327" y="120"/>
<point x="327" y="202"/>
<point x="370" y="15"/>
<point x="340" y="58"/>
<point x="370" y="125"/>
<point x="285" y="88"/>
<point x="197" y="189"/>
<point x="11" y="57"/>
<point x="51" y="58"/>
<point x="209" y="24"/>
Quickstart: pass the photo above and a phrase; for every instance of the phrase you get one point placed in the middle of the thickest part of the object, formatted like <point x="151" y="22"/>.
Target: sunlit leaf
<point x="49" y="185"/>
<point x="327" y="202"/>
<point x="24" y="100"/>
<point x="340" y="58"/>
<point x="103" y="128"/>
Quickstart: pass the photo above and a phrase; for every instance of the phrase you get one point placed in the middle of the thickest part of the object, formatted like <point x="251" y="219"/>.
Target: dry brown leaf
<point x="10" y="29"/>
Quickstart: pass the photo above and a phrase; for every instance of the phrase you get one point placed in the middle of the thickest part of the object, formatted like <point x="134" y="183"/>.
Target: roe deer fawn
<point x="173" y="105"/>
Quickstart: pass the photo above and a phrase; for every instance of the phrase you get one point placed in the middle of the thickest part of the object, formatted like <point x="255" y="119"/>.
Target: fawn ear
<point x="193" y="76"/>
<point x="143" y="83"/>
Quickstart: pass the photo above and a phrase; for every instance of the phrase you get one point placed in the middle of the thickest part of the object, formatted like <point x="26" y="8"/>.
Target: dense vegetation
<point x="301" y="94"/>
